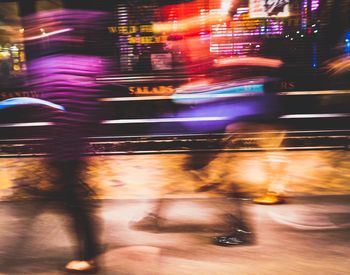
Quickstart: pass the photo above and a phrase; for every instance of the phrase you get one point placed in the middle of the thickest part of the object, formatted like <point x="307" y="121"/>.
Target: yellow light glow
<point x="16" y="67"/>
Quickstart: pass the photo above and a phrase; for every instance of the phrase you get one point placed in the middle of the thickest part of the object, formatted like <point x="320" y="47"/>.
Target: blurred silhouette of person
<point x="65" y="58"/>
<point x="192" y="48"/>
<point x="197" y="165"/>
<point x="238" y="229"/>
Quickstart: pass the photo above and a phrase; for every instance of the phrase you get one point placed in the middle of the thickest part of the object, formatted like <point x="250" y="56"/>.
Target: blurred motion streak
<point x="248" y="61"/>
<point x="64" y="60"/>
<point x="47" y="34"/>
<point x="339" y="65"/>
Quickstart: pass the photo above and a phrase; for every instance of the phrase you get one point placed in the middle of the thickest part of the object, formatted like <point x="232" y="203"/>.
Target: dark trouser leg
<point x="85" y="230"/>
<point x="73" y="195"/>
<point x="239" y="231"/>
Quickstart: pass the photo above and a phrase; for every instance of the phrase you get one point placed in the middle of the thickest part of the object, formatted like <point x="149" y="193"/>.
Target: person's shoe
<point x="270" y="198"/>
<point x="228" y="241"/>
<point x="151" y="222"/>
<point x="241" y="236"/>
<point x="82" y="267"/>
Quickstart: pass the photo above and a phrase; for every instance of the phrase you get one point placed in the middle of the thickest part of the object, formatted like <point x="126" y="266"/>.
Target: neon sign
<point x="151" y="90"/>
<point x="142" y="34"/>
<point x="125" y="30"/>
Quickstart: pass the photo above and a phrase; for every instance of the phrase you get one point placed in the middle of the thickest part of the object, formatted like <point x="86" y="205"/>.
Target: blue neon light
<point x="257" y="88"/>
<point x="347" y="43"/>
<point x="17" y="101"/>
<point x="214" y="94"/>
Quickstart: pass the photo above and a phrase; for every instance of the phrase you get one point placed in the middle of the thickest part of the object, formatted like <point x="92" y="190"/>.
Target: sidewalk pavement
<point x="295" y="173"/>
<point x="184" y="245"/>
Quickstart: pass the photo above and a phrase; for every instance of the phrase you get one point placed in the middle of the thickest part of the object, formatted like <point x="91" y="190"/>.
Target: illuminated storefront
<point x="12" y="58"/>
<point x="195" y="32"/>
<point x="136" y="41"/>
<point x="243" y="32"/>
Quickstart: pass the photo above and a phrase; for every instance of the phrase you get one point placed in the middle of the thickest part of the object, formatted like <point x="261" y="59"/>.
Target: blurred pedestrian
<point x="65" y="58"/>
<point x="206" y="177"/>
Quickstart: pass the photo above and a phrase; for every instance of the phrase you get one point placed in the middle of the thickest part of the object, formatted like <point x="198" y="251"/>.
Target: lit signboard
<point x="152" y="90"/>
<point x="125" y="30"/>
<point x="142" y="34"/>
<point x="268" y="8"/>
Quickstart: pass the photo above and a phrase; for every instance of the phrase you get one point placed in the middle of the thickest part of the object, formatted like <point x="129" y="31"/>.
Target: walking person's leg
<point x="73" y="197"/>
<point x="239" y="230"/>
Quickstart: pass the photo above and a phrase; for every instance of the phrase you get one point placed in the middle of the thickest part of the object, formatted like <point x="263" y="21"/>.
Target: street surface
<point x="135" y="176"/>
<point x="307" y="235"/>
<point x="36" y="242"/>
